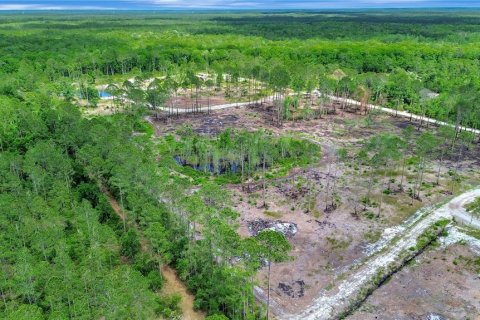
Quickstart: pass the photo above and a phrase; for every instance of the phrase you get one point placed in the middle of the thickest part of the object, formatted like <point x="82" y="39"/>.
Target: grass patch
<point x="330" y="286"/>
<point x="474" y="207"/>
<point x="310" y="206"/>
<point x="471" y="263"/>
<point x="369" y="215"/>
<point x="338" y="243"/>
<point x="431" y="234"/>
<point x="471" y="232"/>
<point x="372" y="236"/>
<point x="273" y="214"/>
<point x="143" y="127"/>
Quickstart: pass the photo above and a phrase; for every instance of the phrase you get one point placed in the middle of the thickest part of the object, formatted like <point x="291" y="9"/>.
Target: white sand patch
<point x="327" y="306"/>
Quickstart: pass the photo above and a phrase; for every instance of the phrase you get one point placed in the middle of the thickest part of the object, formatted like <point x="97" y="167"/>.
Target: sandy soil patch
<point x="440" y="282"/>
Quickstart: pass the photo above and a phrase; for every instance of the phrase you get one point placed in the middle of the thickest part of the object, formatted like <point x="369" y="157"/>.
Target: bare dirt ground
<point x="331" y="305"/>
<point x="441" y="282"/>
<point x="104" y="107"/>
<point x="322" y="247"/>
<point x="187" y="100"/>
<point x="174" y="286"/>
<point x="330" y="238"/>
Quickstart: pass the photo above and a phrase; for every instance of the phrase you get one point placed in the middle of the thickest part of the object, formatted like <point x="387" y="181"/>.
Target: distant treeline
<point x="389" y="56"/>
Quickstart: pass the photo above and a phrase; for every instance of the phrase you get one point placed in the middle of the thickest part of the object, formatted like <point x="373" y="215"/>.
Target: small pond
<point x="223" y="166"/>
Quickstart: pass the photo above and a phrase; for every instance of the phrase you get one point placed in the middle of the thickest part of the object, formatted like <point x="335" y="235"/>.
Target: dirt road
<point x="403" y="114"/>
<point x="215" y="107"/>
<point x="466" y="218"/>
<point x="329" y="306"/>
<point x="173" y="285"/>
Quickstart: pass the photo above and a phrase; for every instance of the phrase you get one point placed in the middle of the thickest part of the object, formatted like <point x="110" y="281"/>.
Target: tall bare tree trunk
<point x="264" y="185"/>
<point x="268" y="292"/>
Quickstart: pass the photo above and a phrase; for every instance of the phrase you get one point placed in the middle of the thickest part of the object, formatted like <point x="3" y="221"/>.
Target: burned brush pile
<point x="288" y="229"/>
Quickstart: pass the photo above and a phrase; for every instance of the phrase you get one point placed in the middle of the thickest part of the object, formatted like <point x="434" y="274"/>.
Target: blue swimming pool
<point x="104" y="94"/>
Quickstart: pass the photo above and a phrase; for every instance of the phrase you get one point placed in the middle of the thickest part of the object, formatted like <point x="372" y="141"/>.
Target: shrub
<point x="130" y="244"/>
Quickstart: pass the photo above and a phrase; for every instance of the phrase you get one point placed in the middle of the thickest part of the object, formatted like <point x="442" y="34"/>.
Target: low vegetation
<point x="474" y="207"/>
<point x="240" y="155"/>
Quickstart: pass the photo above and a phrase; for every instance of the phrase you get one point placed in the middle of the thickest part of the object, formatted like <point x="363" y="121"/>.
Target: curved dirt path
<point x="173" y="284"/>
<point x="393" y="112"/>
<point x="468" y="219"/>
<point x="329" y="306"/>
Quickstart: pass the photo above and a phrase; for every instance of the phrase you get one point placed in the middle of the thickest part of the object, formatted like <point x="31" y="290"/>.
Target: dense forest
<point x="400" y="59"/>
<point x="69" y="256"/>
<point x="66" y="253"/>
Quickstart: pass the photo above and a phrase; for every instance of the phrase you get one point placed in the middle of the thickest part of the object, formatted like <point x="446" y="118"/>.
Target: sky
<point x="226" y="4"/>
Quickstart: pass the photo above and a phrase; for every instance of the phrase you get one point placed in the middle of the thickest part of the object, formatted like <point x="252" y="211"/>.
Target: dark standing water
<point x="223" y="167"/>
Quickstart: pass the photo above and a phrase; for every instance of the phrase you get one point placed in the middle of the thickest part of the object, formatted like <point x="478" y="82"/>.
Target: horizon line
<point x="73" y="8"/>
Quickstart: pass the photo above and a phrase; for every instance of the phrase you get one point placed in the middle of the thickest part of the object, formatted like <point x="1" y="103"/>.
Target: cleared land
<point x="442" y="282"/>
<point x="333" y="244"/>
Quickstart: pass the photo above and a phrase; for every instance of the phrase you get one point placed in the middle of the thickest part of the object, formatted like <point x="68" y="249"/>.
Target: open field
<point x="330" y="239"/>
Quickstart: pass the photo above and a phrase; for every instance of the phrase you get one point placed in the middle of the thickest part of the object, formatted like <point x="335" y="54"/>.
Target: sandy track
<point x="334" y="98"/>
<point x="328" y="306"/>
<point x="173" y="284"/>
<point x="464" y="217"/>
<point x="213" y="108"/>
<point x="404" y="114"/>
<point x="393" y="112"/>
